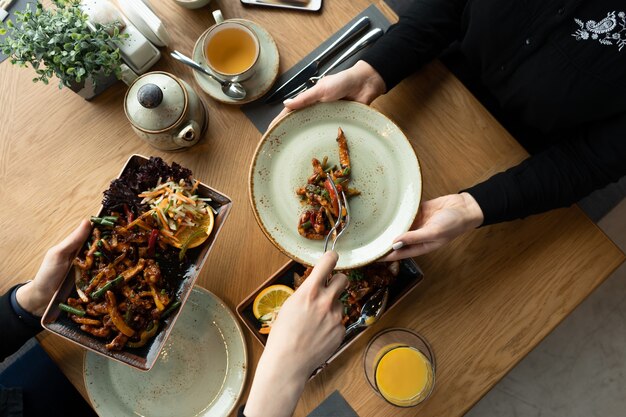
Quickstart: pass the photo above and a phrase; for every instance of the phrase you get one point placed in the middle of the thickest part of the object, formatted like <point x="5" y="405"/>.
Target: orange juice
<point x="231" y="51"/>
<point x="404" y="376"/>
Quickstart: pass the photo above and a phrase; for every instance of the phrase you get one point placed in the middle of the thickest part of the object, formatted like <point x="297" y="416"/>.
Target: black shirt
<point x="555" y="67"/>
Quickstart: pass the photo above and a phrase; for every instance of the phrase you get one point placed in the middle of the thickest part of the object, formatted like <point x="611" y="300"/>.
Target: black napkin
<point x="334" y="406"/>
<point x="262" y="114"/>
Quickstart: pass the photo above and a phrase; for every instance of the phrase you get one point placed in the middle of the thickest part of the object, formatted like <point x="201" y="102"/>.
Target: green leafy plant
<point x="60" y="41"/>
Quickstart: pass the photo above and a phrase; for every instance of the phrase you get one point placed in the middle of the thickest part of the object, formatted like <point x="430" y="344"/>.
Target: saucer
<point x="260" y="83"/>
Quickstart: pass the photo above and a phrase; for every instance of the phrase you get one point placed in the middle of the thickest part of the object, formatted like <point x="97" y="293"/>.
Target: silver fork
<point x="342" y="202"/>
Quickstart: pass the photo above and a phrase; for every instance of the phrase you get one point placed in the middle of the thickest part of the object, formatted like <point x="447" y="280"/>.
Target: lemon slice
<point x="270" y="300"/>
<point x="191" y="237"/>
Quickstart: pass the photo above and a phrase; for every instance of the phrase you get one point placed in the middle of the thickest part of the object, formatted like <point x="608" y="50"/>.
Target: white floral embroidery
<point x="609" y="31"/>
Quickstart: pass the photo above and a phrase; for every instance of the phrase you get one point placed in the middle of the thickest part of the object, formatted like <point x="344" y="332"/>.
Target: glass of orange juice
<point x="400" y="365"/>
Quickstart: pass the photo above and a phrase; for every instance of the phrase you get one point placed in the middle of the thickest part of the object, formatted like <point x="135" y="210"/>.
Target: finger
<point x="310" y="96"/>
<point x="414" y="237"/>
<point x="322" y="270"/>
<point x="337" y="312"/>
<point x="75" y="240"/>
<point x="411" y="251"/>
<point x="338" y="284"/>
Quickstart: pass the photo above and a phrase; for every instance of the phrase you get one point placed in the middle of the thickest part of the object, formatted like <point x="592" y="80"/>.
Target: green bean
<point x="306" y="225"/>
<point x="72" y="310"/>
<point x="102" y="290"/>
<point x="170" y="309"/>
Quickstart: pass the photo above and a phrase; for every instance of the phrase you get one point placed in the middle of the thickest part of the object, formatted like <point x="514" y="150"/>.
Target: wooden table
<point x="487" y="300"/>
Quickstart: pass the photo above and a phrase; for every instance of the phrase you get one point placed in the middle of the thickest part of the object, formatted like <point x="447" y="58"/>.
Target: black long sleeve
<point x="559" y="176"/>
<point x="555" y="73"/>
<point x="422" y="33"/>
<point x="14" y="331"/>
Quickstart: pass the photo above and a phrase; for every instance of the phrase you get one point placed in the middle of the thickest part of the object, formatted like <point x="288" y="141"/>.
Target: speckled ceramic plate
<point x="384" y="168"/>
<point x="200" y="372"/>
<point x="265" y="74"/>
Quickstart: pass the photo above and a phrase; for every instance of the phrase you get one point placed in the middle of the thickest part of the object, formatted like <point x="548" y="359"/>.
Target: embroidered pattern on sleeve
<point x="609" y="31"/>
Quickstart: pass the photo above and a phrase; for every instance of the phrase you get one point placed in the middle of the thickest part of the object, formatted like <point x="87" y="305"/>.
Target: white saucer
<point x="264" y="77"/>
<point x="201" y="370"/>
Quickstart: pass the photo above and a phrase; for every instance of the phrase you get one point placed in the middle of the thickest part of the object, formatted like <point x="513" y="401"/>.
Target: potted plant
<point x="61" y="41"/>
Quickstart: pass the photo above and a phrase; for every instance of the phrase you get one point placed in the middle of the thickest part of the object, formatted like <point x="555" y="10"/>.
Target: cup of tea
<point x="231" y="49"/>
<point x="400" y="366"/>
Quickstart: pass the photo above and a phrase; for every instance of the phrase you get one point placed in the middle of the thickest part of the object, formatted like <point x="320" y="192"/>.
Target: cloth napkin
<point x="334" y="406"/>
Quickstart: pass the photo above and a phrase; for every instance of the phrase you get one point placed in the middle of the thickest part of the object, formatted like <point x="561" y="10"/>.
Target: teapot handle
<point x="188" y="135"/>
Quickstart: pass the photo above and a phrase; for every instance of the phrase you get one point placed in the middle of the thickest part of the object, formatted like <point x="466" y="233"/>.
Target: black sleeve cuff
<point x="26" y="317"/>
<point x="15" y="329"/>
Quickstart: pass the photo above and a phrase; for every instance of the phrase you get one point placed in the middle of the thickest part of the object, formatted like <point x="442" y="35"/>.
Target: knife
<point x="369" y="38"/>
<point x="313" y="67"/>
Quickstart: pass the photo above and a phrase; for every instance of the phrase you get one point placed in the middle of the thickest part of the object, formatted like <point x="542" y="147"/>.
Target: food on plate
<point x="127" y="274"/>
<point x="319" y="197"/>
<point x="362" y="284"/>
<point x="267" y="304"/>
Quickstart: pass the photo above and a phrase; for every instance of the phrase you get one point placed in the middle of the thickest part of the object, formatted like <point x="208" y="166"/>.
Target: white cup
<point x="231" y="49"/>
<point x="192" y="4"/>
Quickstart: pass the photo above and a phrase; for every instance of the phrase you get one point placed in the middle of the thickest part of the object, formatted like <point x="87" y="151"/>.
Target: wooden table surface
<point x="486" y="301"/>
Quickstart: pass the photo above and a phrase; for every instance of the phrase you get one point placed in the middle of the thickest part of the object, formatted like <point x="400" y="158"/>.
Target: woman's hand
<point x="36" y="294"/>
<point x="307" y="331"/>
<point x="359" y="83"/>
<point x="438" y="222"/>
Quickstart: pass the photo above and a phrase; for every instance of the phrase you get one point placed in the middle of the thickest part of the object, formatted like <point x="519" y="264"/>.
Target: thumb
<point x="75" y="240"/>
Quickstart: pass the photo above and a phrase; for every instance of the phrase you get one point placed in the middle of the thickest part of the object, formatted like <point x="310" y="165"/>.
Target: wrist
<point x="276" y="388"/>
<point x="474" y="214"/>
<point x="30" y="299"/>
<point x="372" y="79"/>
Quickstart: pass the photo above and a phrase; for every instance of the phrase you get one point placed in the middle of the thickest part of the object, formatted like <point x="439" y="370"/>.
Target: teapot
<point x="165" y="111"/>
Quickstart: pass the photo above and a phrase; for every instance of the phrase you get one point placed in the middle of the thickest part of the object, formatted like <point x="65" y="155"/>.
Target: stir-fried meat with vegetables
<point x="126" y="275"/>
<point x="318" y="195"/>
<point x="362" y="283"/>
<point x="121" y="294"/>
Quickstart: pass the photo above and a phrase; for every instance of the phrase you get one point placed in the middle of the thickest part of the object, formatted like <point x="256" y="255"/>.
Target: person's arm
<point x="557" y="177"/>
<point x="307" y="331"/>
<point x="22" y="306"/>
<point x="423" y="31"/>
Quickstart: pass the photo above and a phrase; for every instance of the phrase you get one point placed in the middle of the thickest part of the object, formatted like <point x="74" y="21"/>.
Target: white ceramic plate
<point x="200" y="372"/>
<point x="384" y="168"/>
<point x="265" y="74"/>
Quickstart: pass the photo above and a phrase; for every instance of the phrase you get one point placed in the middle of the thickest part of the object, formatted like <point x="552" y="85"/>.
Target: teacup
<point x="231" y="49"/>
<point x="192" y="4"/>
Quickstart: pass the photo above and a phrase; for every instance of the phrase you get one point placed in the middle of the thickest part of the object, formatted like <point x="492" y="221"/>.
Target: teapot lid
<point x="155" y="101"/>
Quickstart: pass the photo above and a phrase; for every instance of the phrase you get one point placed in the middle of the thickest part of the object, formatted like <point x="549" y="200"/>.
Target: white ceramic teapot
<point x="165" y="111"/>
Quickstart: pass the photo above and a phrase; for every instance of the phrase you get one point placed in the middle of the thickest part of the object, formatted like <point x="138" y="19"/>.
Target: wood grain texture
<point x="487" y="298"/>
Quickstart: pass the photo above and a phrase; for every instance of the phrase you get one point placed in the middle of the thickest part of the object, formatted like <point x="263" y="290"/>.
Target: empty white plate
<point x="201" y="370"/>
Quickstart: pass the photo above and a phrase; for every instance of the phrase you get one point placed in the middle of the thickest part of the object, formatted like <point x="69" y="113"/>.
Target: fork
<point x="342" y="202"/>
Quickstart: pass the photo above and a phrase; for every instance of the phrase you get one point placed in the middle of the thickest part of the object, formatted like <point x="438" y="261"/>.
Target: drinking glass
<point x="400" y="365"/>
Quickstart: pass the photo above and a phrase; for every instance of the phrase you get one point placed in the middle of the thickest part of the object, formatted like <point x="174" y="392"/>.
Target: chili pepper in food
<point x="152" y="242"/>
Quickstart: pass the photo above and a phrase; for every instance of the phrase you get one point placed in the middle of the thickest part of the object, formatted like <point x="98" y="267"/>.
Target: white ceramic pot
<point x="165" y="111"/>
